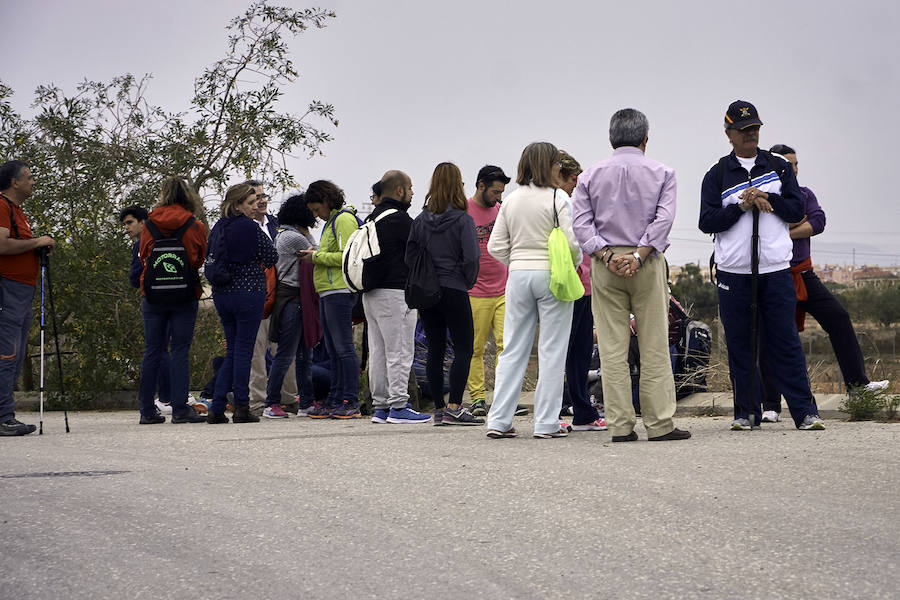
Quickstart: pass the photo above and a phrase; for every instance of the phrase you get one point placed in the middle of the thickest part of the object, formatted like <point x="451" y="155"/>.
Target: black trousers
<point x="834" y="319"/>
<point x="453" y="313"/>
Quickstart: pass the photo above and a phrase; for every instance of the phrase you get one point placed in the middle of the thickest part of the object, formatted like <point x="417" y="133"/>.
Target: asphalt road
<point x="347" y="510"/>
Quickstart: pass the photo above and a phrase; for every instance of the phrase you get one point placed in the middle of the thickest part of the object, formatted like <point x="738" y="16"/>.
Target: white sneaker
<point x="164" y="409"/>
<point x="812" y="422"/>
<point x="770" y="416"/>
<point x="877" y="386"/>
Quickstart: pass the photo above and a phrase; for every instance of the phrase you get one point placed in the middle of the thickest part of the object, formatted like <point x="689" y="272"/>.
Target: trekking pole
<point x="754" y="311"/>
<point x="45" y="264"/>
<point x="43" y="260"/>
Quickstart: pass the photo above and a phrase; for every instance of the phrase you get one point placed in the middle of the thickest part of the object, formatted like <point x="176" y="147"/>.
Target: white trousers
<point x="529" y="301"/>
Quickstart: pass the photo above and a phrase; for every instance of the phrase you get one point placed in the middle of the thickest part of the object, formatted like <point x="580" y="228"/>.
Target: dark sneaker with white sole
<point x="13" y="427"/>
<point x="461" y="416"/>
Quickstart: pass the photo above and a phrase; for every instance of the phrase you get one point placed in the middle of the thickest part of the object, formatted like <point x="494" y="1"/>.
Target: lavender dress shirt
<point x="625" y="200"/>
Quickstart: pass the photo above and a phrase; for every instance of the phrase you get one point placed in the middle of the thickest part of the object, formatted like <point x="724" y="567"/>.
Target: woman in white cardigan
<point x="519" y="240"/>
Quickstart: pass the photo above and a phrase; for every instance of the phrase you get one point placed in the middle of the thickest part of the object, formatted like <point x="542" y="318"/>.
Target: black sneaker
<point x="14" y="427"/>
<point x="189" y="417"/>
<point x="242" y="414"/>
<point x="154" y="420"/>
<point x="216" y="418"/>
<point x="521" y="410"/>
<point x="460" y="416"/>
<point x="478" y="408"/>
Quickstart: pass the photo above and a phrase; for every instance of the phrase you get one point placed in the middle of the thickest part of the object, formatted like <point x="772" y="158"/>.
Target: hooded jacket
<point x="327" y="275"/>
<point x="389" y="269"/>
<point x="453" y="244"/>
<point x="168" y="219"/>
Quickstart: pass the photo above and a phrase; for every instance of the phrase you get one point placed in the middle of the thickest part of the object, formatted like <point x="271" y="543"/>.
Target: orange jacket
<point x="168" y="219"/>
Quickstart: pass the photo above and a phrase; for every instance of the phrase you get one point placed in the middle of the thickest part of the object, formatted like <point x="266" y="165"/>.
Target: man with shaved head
<point x="392" y="324"/>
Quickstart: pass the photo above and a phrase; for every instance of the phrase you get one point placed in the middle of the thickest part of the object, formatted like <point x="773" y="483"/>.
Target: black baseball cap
<point x="741" y="115"/>
<point x="489" y="174"/>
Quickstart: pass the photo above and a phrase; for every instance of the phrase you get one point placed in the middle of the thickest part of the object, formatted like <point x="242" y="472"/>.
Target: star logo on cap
<point x="745" y="111"/>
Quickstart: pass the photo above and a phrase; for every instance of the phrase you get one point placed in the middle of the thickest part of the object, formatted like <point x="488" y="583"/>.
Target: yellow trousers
<point x="487" y="316"/>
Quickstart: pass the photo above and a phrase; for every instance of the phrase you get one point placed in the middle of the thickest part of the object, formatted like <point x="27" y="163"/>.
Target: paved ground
<point x="347" y="510"/>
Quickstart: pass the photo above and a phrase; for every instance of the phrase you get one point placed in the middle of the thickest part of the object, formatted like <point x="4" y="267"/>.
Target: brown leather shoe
<point x="631" y="437"/>
<point x="675" y="434"/>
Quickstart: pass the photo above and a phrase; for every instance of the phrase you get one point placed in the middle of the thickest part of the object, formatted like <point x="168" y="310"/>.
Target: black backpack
<point x="216" y="266"/>
<point x="423" y="289"/>
<point x="169" y="277"/>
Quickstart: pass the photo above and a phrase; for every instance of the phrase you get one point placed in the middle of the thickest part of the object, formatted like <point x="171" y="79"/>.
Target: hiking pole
<point x="754" y="312"/>
<point x="43" y="260"/>
<point x="45" y="264"/>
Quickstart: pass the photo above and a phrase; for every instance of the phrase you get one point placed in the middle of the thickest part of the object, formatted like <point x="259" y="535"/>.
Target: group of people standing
<point x="272" y="282"/>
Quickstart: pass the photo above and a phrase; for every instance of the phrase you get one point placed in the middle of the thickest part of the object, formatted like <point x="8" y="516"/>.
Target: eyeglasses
<point x="262" y="196"/>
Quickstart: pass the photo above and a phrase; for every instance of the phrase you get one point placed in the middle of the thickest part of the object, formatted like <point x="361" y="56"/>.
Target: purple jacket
<point x="816" y="217"/>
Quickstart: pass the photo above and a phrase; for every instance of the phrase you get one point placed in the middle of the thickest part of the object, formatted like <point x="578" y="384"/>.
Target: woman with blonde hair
<point x="239" y="302"/>
<point x="519" y="240"/>
<point x="170" y="306"/>
<point x="447" y="231"/>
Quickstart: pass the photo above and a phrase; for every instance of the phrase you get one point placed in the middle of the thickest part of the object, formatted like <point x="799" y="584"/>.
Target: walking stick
<point x="754" y="312"/>
<point x="43" y="275"/>
<point x="45" y="265"/>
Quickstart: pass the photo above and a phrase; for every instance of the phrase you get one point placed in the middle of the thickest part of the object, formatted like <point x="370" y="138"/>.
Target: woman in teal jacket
<point x="336" y="301"/>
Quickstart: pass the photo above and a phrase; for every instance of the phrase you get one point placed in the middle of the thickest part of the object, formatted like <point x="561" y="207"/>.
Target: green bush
<point x="861" y="404"/>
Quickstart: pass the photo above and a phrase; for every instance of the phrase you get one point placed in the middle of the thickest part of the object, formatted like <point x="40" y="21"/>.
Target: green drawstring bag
<point x="564" y="281"/>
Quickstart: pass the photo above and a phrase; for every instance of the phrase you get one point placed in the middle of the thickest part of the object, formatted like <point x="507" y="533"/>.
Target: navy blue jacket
<point x="134" y="272"/>
<point x="390" y="270"/>
<point x="721" y="215"/>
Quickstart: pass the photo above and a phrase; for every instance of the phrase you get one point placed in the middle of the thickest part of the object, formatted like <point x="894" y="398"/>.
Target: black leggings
<point x="453" y="313"/>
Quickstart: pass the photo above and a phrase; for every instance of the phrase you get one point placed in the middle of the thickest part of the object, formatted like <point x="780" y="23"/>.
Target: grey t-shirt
<point x="289" y="242"/>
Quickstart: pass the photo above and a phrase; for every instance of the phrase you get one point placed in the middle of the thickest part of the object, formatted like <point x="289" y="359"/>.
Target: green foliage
<point x="890" y="405"/>
<point x="106" y="146"/>
<point x="872" y="303"/>
<point x="696" y="293"/>
<point x="861" y="404"/>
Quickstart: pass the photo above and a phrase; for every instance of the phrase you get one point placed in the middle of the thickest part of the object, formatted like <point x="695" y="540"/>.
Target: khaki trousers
<point x="646" y="296"/>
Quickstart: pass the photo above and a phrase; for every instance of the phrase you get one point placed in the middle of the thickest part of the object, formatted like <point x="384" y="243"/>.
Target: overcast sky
<point x="415" y="83"/>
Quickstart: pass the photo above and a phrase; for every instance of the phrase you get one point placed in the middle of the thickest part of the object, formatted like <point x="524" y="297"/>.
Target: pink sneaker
<point x="598" y="425"/>
<point x="275" y="412"/>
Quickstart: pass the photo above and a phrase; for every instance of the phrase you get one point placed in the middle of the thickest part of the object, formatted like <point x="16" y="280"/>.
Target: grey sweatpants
<point x="392" y="328"/>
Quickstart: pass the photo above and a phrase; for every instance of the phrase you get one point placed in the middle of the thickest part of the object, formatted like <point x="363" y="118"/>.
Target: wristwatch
<point x="638" y="258"/>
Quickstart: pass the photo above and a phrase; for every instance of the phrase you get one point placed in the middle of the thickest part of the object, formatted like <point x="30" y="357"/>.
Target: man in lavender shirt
<point x="622" y="213"/>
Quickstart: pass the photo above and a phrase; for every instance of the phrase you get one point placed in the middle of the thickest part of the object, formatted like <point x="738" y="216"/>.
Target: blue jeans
<point x="336" y="312"/>
<point x="290" y="346"/>
<point x="777" y="300"/>
<point x="165" y="374"/>
<point x="241" y="314"/>
<point x="165" y="325"/>
<point x="15" y="321"/>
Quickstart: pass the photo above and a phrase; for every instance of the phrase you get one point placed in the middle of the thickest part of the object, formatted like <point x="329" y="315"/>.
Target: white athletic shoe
<point x="164" y="409"/>
<point x="770" y="416"/>
<point x="877" y="386"/>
